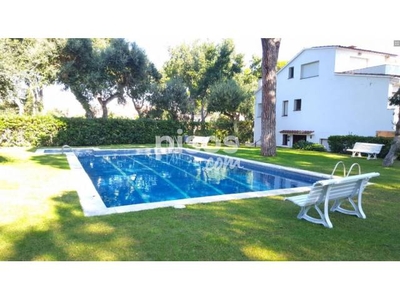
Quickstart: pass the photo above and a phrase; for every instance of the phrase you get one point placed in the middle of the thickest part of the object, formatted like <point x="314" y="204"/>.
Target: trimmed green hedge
<point x="339" y="143"/>
<point x="52" y="131"/>
<point x="38" y="131"/>
<point x="305" y="145"/>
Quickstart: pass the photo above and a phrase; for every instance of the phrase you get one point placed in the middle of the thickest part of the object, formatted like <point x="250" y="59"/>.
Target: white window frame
<point x="291" y="73"/>
<point x="285" y="108"/>
<point x="295" y="104"/>
<point x="314" y="70"/>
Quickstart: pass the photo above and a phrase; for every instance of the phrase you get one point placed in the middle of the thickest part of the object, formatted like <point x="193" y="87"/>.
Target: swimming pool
<point x="112" y="181"/>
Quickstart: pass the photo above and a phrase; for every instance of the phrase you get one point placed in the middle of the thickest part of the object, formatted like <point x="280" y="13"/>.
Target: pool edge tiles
<point x="89" y="198"/>
<point x="93" y="205"/>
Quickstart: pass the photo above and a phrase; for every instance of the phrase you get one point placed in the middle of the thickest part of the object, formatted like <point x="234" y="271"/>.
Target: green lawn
<point x="41" y="220"/>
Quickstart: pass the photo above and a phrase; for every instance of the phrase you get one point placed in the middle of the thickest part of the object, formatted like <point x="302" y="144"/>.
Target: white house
<point x="333" y="90"/>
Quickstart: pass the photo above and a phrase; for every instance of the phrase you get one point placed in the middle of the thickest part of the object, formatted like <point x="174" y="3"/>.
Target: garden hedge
<point x="339" y="143"/>
<point x="38" y="131"/>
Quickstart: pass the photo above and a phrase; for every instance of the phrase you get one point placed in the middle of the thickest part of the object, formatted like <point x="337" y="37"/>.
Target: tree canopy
<point x="27" y="66"/>
<point x="200" y="65"/>
<point x="99" y="71"/>
<point x="228" y="98"/>
<point x="171" y="98"/>
<point x="104" y="74"/>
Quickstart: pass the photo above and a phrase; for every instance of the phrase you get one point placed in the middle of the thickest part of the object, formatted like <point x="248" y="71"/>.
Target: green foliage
<point x="50" y="131"/>
<point x="106" y="73"/>
<point x="172" y="98"/>
<point x="38" y="131"/>
<point x="226" y="97"/>
<point x="255" y="65"/>
<point x="339" y="143"/>
<point x="27" y="65"/>
<point x="395" y="99"/>
<point x="29" y="131"/>
<point x="222" y="128"/>
<point x="201" y="65"/>
<point x="305" y="145"/>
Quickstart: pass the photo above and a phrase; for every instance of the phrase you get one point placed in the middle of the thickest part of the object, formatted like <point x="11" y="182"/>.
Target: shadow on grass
<point x="55" y="161"/>
<point x="5" y="159"/>
<point x="263" y="229"/>
<point x="65" y="235"/>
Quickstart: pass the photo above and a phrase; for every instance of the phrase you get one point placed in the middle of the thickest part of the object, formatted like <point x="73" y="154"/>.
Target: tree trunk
<point x="104" y="107"/>
<point x="37" y="106"/>
<point x="89" y="114"/>
<point x="21" y="107"/>
<point x="203" y="116"/>
<point x="104" y="103"/>
<point x="270" y="48"/>
<point x="394" y="148"/>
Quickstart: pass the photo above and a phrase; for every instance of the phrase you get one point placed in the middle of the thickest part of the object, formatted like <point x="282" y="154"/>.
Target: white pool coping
<point x="93" y="205"/>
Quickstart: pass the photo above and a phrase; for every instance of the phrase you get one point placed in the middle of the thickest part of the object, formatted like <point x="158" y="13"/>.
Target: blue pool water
<point x="127" y="177"/>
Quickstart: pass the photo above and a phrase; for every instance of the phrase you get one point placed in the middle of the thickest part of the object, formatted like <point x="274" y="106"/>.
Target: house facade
<point x="333" y="90"/>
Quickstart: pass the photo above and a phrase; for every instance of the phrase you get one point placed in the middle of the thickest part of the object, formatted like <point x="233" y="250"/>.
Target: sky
<point x="157" y="49"/>
<point x="156" y="25"/>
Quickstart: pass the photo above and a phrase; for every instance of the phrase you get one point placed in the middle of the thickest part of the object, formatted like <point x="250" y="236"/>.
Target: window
<point x="285" y="140"/>
<point x="297" y="104"/>
<point x="285" y="108"/>
<point x="291" y="72"/>
<point x="310" y="70"/>
<point x="259" y="110"/>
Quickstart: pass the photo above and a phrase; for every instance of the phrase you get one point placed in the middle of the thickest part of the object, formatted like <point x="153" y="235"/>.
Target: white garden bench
<point x="371" y="149"/>
<point x="198" y="140"/>
<point x="337" y="190"/>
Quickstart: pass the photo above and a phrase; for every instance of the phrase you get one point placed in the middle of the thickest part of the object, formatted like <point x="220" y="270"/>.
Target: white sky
<point x="158" y="24"/>
<point x="157" y="49"/>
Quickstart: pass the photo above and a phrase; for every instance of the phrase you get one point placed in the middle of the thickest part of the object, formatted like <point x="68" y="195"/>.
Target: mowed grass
<point x="41" y="219"/>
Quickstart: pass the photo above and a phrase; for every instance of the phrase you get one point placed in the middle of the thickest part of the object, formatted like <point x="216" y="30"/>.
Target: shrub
<point x="340" y="143"/>
<point x="304" y="145"/>
<point x="221" y="128"/>
<point x="29" y="131"/>
<point x="51" y="131"/>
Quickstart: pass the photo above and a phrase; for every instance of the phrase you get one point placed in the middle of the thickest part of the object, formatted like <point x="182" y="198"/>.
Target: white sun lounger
<point x="371" y="149"/>
<point x="198" y="141"/>
<point x="337" y="190"/>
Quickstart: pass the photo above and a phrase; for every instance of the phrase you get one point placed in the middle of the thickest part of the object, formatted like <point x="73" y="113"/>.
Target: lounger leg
<point x="324" y="217"/>
<point x="358" y="211"/>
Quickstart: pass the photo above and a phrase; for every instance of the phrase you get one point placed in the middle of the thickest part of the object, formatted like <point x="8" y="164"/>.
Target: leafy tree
<point x="109" y="71"/>
<point x="171" y="98"/>
<point x="190" y="62"/>
<point x="27" y="66"/>
<point x="228" y="98"/>
<point x="200" y="65"/>
<point x="6" y="70"/>
<point x="270" y="49"/>
<point x="142" y="76"/>
<point x="255" y="65"/>
<point x="79" y="72"/>
<point x="395" y="147"/>
<point x="281" y="64"/>
<point x="225" y="66"/>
